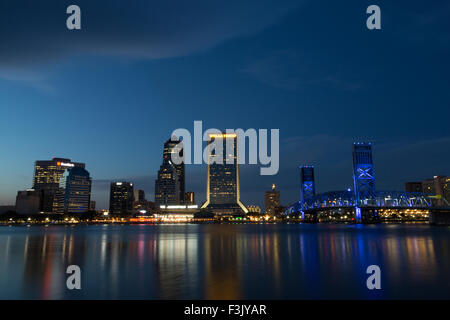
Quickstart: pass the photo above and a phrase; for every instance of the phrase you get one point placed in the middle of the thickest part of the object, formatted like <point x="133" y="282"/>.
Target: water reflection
<point x="224" y="261"/>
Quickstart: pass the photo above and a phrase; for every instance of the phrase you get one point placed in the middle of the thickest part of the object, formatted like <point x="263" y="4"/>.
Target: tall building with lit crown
<point x="47" y="177"/>
<point x="170" y="183"/>
<point x="272" y="200"/>
<point x="222" y="184"/>
<point x="74" y="195"/>
<point x="363" y="173"/>
<point x="170" y="147"/>
<point x="121" y="199"/>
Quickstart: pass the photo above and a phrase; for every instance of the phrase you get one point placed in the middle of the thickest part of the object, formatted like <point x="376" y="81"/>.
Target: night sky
<point x="110" y="94"/>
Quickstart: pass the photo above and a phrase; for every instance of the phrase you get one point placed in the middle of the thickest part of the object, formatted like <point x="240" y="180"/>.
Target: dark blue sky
<point x="110" y="94"/>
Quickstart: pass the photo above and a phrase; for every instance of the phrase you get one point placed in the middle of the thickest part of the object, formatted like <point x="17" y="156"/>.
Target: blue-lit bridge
<point x="383" y="204"/>
<point x="363" y="203"/>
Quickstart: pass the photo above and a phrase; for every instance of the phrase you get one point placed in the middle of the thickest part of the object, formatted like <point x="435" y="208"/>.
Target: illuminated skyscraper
<point x="272" y="200"/>
<point x="139" y="195"/>
<point x="170" y="184"/>
<point x="121" y="199"/>
<point x="222" y="185"/>
<point x="167" y="186"/>
<point x="363" y="173"/>
<point x="74" y="195"/>
<point x="169" y="149"/>
<point x="47" y="177"/>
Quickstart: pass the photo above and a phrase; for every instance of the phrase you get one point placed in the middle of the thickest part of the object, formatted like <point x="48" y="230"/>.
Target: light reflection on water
<point x="225" y="261"/>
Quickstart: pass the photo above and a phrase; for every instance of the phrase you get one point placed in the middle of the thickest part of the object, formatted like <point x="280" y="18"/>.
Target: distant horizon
<point x="111" y="93"/>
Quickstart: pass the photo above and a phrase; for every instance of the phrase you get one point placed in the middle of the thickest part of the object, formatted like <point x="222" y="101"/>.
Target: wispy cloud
<point x="33" y="79"/>
<point x="139" y="29"/>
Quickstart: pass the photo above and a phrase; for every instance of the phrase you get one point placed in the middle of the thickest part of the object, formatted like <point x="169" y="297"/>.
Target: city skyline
<point x="225" y="158"/>
<point x="271" y="69"/>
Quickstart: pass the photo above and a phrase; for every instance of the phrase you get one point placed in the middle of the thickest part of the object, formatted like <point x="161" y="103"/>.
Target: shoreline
<point x="419" y="222"/>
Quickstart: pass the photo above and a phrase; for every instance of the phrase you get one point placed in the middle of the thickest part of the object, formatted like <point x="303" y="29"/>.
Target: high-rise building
<point x="141" y="204"/>
<point x="74" y="195"/>
<point x="28" y="202"/>
<point x="189" y="198"/>
<point x="272" y="200"/>
<point x="139" y="195"/>
<point x="308" y="187"/>
<point x="47" y="176"/>
<point x="413" y="187"/>
<point x="167" y="185"/>
<point x="222" y="184"/>
<point x="363" y="173"/>
<point x="121" y="199"/>
<point x="438" y="186"/>
<point x="92" y="205"/>
<point x="170" y="184"/>
<point x="170" y="147"/>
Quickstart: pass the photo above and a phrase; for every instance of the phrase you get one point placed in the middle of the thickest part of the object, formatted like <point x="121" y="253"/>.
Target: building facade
<point x="28" y="202"/>
<point x="222" y="184"/>
<point x="254" y="209"/>
<point x="47" y="177"/>
<point x="139" y="195"/>
<point x="189" y="198"/>
<point x="167" y="185"/>
<point x="121" y="199"/>
<point x="438" y="186"/>
<point x="170" y="183"/>
<point x="308" y="186"/>
<point x="271" y="200"/>
<point x="74" y="195"/>
<point x="363" y="173"/>
<point x="172" y="147"/>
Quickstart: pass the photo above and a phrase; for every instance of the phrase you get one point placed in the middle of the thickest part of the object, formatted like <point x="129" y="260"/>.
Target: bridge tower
<point x="308" y="188"/>
<point x="363" y="174"/>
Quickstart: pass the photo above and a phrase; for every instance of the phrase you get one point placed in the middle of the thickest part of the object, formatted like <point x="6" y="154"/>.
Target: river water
<point x="224" y="261"/>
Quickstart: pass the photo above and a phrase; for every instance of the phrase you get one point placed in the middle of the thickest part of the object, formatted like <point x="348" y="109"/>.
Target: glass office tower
<point x="75" y="191"/>
<point x="170" y="184"/>
<point x="47" y="177"/>
<point x="121" y="199"/>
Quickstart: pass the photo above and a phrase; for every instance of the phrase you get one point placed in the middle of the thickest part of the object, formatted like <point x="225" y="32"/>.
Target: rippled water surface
<point x="267" y="261"/>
